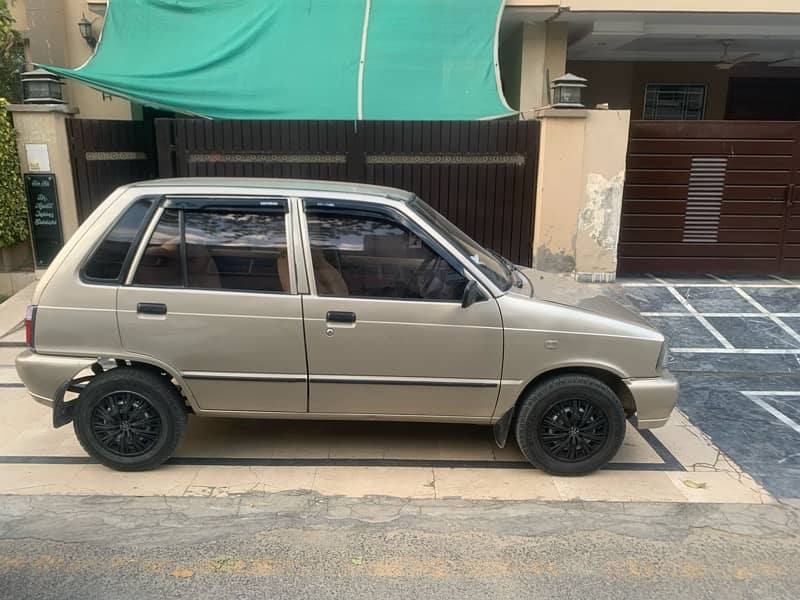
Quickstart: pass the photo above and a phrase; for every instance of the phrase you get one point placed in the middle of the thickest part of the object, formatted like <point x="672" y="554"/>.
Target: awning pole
<point x="364" y="29"/>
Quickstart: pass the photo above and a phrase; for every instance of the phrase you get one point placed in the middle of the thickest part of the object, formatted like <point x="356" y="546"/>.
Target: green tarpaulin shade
<point x="302" y="59"/>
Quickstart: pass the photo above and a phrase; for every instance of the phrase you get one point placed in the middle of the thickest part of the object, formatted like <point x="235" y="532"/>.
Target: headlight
<point x="663" y="356"/>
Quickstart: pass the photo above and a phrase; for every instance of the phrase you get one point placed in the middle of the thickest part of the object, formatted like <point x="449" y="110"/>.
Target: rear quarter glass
<point x="112" y="254"/>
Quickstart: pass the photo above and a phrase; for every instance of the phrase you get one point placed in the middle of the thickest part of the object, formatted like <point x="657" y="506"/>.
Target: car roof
<point x="299" y="185"/>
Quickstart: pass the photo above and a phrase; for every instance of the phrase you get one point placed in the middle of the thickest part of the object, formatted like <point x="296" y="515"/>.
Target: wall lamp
<point x="87" y="33"/>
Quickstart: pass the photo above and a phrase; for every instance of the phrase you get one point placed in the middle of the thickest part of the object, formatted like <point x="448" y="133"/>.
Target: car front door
<point x="212" y="295"/>
<point x="385" y="330"/>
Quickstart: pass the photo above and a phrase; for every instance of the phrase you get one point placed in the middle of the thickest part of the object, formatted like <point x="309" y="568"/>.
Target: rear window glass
<point x="108" y="260"/>
<point x="161" y="262"/>
<point x="243" y="251"/>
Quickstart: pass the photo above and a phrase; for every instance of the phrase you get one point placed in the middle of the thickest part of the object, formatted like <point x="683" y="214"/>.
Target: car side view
<point x="286" y="299"/>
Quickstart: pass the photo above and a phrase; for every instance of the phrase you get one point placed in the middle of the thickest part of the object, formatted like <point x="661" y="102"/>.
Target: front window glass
<point x="492" y="265"/>
<point x="374" y="257"/>
<point x="236" y="251"/>
<point x="109" y="258"/>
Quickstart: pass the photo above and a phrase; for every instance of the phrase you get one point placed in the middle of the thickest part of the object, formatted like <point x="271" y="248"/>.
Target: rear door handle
<point x="151" y="308"/>
<point x="338" y="316"/>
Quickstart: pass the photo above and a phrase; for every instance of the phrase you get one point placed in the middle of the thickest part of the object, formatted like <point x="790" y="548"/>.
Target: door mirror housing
<point x="472" y="294"/>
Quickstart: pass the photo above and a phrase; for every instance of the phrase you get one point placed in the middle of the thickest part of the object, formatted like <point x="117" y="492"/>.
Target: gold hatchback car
<point x="281" y="299"/>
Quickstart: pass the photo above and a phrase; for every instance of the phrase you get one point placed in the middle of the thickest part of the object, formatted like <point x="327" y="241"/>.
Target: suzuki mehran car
<point x="281" y="299"/>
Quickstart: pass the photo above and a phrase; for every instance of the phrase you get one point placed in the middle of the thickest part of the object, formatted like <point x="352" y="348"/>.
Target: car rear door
<point x="380" y="340"/>
<point x="211" y="294"/>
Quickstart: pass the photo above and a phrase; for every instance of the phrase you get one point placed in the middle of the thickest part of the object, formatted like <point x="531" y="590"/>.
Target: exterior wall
<point x="527" y="55"/>
<point x="622" y="84"/>
<point x="90" y="103"/>
<point x="44" y="124"/>
<point x="579" y="195"/>
<point x="558" y="190"/>
<point x="544" y="50"/>
<point x="50" y="28"/>
<point x="510" y="58"/>
<point x="610" y="82"/>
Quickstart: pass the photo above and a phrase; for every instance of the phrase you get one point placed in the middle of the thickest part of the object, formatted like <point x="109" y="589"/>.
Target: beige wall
<point x="579" y="191"/>
<point x="19" y="13"/>
<point x="90" y="103"/>
<point x="544" y="51"/>
<point x="50" y="28"/>
<point x="44" y="124"/>
<point x="527" y="55"/>
<point x="622" y="84"/>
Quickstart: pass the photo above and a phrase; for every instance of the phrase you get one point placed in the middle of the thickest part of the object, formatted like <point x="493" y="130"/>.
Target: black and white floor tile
<point x="735" y="347"/>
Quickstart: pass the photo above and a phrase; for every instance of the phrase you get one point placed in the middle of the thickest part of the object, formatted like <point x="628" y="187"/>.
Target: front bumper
<point x="654" y="397"/>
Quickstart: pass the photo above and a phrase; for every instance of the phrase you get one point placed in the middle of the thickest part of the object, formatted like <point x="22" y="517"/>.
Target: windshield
<point x="491" y="264"/>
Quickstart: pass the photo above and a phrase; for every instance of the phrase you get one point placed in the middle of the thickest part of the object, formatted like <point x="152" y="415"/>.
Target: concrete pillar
<point x="579" y="191"/>
<point x="543" y="51"/>
<point x="46" y="124"/>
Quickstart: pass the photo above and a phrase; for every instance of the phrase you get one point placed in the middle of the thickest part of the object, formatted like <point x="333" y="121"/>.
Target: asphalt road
<point x="303" y="545"/>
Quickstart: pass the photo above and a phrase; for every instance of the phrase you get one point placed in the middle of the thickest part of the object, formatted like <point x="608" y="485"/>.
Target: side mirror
<point x="472" y="294"/>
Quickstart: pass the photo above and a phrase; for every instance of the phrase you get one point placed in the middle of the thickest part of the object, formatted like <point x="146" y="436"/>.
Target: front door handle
<point x="151" y="308"/>
<point x="338" y="316"/>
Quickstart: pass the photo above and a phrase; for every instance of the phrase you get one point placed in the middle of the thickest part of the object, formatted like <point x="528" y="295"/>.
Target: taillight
<point x="30" y="318"/>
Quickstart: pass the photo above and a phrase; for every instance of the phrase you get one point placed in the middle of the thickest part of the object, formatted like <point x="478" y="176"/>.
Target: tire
<point x="130" y="419"/>
<point x="570" y="425"/>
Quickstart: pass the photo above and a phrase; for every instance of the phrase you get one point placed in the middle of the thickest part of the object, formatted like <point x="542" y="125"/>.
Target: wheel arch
<point x="98" y="366"/>
<point x="152" y="364"/>
<point x="613" y="380"/>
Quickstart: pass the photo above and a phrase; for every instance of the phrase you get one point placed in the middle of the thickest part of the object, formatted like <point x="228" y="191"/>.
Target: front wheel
<point x="570" y="425"/>
<point x="130" y="419"/>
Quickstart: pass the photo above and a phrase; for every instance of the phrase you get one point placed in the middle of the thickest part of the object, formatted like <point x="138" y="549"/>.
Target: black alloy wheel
<point x="570" y="424"/>
<point x="125" y="423"/>
<point x="573" y="430"/>
<point x="130" y="419"/>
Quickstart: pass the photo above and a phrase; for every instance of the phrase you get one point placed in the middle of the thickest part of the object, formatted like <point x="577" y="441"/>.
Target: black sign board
<point x="45" y="217"/>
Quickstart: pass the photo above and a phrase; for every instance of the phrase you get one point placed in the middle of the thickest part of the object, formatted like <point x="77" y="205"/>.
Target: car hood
<point x="590" y="297"/>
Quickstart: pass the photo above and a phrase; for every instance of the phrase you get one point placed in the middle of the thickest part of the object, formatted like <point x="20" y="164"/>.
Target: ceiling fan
<point x="726" y="62"/>
<point x="790" y="61"/>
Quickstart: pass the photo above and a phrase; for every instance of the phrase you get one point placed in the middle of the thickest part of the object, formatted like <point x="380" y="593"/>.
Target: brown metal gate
<point x="711" y="197"/>
<point x="480" y="174"/>
<point x="106" y="154"/>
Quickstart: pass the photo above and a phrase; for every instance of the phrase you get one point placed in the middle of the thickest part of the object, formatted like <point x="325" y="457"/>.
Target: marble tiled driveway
<point x="735" y="346"/>
<point x="677" y="463"/>
<point x="227" y="457"/>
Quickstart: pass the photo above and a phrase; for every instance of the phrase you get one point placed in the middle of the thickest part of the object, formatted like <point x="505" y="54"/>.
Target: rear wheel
<point x="570" y="425"/>
<point x="130" y="419"/>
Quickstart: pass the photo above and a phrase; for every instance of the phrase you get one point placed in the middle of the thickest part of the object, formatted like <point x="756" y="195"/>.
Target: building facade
<point x="51" y="35"/>
<point x="661" y="59"/>
<point x="693" y="166"/>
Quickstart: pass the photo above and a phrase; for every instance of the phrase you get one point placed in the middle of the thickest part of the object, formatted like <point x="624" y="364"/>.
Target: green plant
<point x="12" y="56"/>
<point x="13" y="213"/>
<point x="13" y="219"/>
